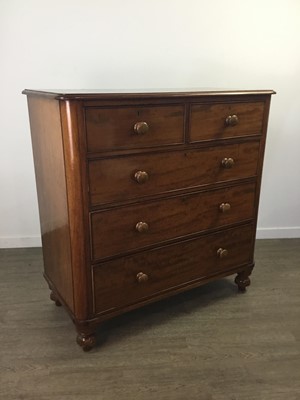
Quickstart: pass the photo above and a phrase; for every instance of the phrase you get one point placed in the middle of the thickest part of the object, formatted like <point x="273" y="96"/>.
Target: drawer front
<point x="129" y="228"/>
<point x="130" y="279"/>
<point x="133" y="127"/>
<point x="219" y="121"/>
<point x="116" y="179"/>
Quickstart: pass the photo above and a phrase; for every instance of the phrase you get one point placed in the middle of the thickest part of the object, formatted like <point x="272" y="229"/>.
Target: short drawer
<point x="129" y="228"/>
<point x="133" y="127"/>
<point x="131" y="177"/>
<point x="228" y="120"/>
<point x="131" y="279"/>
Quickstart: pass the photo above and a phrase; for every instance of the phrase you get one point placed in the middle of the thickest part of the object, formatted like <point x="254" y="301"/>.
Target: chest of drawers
<point x="144" y="195"/>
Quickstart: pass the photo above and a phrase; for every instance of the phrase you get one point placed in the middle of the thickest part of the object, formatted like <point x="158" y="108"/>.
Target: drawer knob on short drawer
<point x="227" y="162"/>
<point x="224" y="207"/>
<point x="141" y="176"/>
<point x="141" y="127"/>
<point x="222" y="253"/>
<point x="142" y="227"/>
<point x="231" y="120"/>
<point x="141" y="277"/>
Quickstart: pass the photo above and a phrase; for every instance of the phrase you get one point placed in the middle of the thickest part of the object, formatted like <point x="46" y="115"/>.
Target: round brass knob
<point x="141" y="277"/>
<point x="141" y="128"/>
<point x="224" y="207"/>
<point x="227" y="162"/>
<point x="141" y="176"/>
<point x="222" y="252"/>
<point x="142" y="227"/>
<point x="231" y="120"/>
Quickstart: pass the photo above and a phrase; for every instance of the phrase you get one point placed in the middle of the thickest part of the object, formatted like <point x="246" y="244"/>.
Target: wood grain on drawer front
<point x="113" y="128"/>
<point x="116" y="284"/>
<point x="113" y="179"/>
<point x="115" y="231"/>
<point x="208" y="121"/>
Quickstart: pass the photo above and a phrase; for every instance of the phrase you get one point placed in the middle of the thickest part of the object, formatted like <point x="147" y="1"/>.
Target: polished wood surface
<point x="114" y="179"/>
<point x="134" y="94"/>
<point x="167" y="268"/>
<point x="52" y="194"/>
<point x="114" y="231"/>
<point x="216" y="121"/>
<point x="74" y="152"/>
<point x="120" y="127"/>
<point x="156" y="194"/>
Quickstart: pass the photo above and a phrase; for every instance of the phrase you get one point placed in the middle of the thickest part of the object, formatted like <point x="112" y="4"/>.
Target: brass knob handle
<point x="224" y="207"/>
<point x="142" y="227"/>
<point x="141" y="176"/>
<point x="222" y="252"/>
<point x="141" y="128"/>
<point x="227" y="162"/>
<point x="231" y="120"/>
<point x="141" y="277"/>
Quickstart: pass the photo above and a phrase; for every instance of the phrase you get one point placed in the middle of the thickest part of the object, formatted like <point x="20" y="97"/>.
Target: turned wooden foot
<point x="86" y="341"/>
<point x="55" y="299"/>
<point x="242" y="281"/>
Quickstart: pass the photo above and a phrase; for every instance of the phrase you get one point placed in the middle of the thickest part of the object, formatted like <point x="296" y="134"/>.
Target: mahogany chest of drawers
<point x="144" y="195"/>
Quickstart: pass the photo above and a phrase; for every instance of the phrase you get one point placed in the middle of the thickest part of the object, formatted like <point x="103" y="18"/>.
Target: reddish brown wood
<point x="127" y="95"/>
<point x="113" y="179"/>
<point x="74" y="152"/>
<point x="110" y="128"/>
<point x="162" y="211"/>
<point x="116" y="285"/>
<point x="114" y="231"/>
<point x="52" y="194"/>
<point x="209" y="121"/>
<point x="87" y="342"/>
<point x="86" y="335"/>
<point x="242" y="279"/>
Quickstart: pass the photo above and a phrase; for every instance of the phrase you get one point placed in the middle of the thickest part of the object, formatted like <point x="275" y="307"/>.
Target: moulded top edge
<point x="88" y="94"/>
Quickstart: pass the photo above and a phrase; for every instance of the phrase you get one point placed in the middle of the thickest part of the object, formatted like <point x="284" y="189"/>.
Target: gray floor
<point x="210" y="343"/>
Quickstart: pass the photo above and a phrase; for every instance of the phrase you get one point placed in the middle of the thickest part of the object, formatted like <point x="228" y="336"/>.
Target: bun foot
<point x="86" y="342"/>
<point x="55" y="299"/>
<point x="242" y="280"/>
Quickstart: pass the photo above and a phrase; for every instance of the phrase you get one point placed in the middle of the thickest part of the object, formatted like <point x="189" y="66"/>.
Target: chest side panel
<point x="52" y="194"/>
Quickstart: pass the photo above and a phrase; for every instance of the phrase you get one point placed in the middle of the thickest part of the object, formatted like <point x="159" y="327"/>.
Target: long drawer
<point x="225" y="120"/>
<point x="130" y="279"/>
<point x="131" y="177"/>
<point x="129" y="228"/>
<point x="133" y="127"/>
